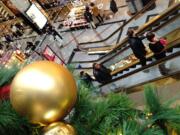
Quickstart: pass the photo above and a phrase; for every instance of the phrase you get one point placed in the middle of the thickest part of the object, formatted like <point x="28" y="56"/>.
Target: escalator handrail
<point x="122" y="26"/>
<point x="144" y="67"/>
<point x="170" y="45"/>
<point x="128" y="90"/>
<point x="140" y="30"/>
<point x="146" y="26"/>
<point x="150" y="81"/>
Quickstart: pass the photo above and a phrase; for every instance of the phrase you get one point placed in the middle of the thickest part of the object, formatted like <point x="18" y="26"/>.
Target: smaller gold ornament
<point x="59" y="128"/>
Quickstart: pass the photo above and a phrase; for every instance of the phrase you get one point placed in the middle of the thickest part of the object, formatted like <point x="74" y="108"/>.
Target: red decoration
<point x="4" y="92"/>
<point x="48" y="54"/>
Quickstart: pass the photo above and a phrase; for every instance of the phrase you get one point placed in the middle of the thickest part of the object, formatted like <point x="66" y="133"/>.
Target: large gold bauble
<point x="59" y="128"/>
<point x="44" y="92"/>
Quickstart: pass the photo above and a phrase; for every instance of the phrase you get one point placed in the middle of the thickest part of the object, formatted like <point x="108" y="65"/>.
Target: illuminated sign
<point x="36" y="16"/>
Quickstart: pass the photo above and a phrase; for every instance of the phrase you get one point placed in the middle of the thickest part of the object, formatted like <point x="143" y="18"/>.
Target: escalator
<point x="109" y="40"/>
<point x="122" y="50"/>
<point x="114" y="36"/>
<point x="129" y="75"/>
<point x="133" y="75"/>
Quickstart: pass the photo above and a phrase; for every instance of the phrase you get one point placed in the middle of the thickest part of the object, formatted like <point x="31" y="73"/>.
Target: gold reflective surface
<point x="59" y="128"/>
<point x="44" y="92"/>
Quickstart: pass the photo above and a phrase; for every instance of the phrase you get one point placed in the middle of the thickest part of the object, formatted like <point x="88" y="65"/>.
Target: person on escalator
<point x="157" y="47"/>
<point x="89" y="18"/>
<point x="86" y="78"/>
<point x="101" y="73"/>
<point x="137" y="46"/>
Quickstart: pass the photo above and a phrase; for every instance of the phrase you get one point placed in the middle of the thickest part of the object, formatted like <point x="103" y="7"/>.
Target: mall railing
<point x="99" y="50"/>
<point x="156" y="23"/>
<point x="137" y="15"/>
<point x="157" y="80"/>
<point x="153" y="65"/>
<point x="140" y="86"/>
<point x="172" y="45"/>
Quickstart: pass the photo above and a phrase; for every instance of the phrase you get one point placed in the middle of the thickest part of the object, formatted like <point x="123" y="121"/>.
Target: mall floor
<point x="72" y="39"/>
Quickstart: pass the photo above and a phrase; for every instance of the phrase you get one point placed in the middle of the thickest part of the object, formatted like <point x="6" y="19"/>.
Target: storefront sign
<point x="50" y="55"/>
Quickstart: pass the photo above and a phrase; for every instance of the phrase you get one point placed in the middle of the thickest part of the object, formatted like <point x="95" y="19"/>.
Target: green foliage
<point x="70" y="67"/>
<point x="161" y="114"/>
<point x="11" y="123"/>
<point x="7" y="74"/>
<point x="132" y="127"/>
<point x="115" y="114"/>
<point x="93" y="114"/>
<point x="153" y="104"/>
<point x="100" y="115"/>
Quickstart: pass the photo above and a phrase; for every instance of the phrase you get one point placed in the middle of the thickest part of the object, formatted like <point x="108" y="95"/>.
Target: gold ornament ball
<point x="59" y="128"/>
<point x="44" y="92"/>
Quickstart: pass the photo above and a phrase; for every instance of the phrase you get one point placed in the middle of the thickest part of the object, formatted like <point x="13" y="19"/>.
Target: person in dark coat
<point x="88" y="17"/>
<point x="96" y="12"/>
<point x="86" y="78"/>
<point x="101" y="73"/>
<point x="113" y="6"/>
<point x="137" y="46"/>
<point x="159" y="51"/>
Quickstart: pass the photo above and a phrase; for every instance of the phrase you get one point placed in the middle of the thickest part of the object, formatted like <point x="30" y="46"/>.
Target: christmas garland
<point x="11" y="123"/>
<point x="6" y="76"/>
<point x="97" y="115"/>
<point x="116" y="114"/>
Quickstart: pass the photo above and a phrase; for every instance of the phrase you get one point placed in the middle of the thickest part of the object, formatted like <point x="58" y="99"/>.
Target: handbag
<point x="163" y="41"/>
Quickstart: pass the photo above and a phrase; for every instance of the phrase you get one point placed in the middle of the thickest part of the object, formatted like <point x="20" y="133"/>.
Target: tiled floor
<point x="72" y="39"/>
<point x="103" y="31"/>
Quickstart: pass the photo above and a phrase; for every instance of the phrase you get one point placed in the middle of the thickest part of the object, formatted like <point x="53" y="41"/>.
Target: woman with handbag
<point x="158" y="48"/>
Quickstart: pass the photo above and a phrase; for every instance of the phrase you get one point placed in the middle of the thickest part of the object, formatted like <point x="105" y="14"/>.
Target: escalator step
<point x="169" y="50"/>
<point x="171" y="16"/>
<point x="149" y="59"/>
<point x="177" y="46"/>
<point x="154" y="27"/>
<point x="176" y="12"/>
<point x="165" y="19"/>
<point x="134" y="66"/>
<point x="176" y="50"/>
<point x="157" y="24"/>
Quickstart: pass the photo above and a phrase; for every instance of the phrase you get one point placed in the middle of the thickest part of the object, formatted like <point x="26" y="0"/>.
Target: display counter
<point x="76" y="18"/>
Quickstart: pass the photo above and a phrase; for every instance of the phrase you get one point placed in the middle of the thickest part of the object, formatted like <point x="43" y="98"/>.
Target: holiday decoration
<point x="11" y="123"/>
<point x="59" y="128"/>
<point x="4" y="92"/>
<point x="92" y="114"/>
<point x="44" y="92"/>
<point x="6" y="75"/>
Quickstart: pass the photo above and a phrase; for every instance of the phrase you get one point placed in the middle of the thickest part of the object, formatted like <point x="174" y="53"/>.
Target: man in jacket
<point x="89" y="18"/>
<point x="137" y="46"/>
<point x="101" y="73"/>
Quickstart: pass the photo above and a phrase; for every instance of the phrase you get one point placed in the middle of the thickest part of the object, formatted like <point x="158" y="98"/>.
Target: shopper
<point x="158" y="49"/>
<point x="113" y="6"/>
<point x="52" y="31"/>
<point x="96" y="12"/>
<point x="88" y="17"/>
<point x="86" y="78"/>
<point x="137" y="46"/>
<point x="101" y="73"/>
<point x="8" y="38"/>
